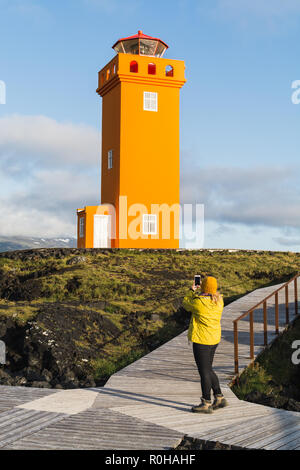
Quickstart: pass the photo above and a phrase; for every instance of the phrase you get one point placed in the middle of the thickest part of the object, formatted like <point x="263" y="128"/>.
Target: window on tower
<point x="134" y="66"/>
<point x="151" y="69"/>
<point x="169" y="71"/>
<point x="110" y="159"/>
<point x="150" y="101"/>
<point x="81" y="227"/>
<point x="149" y="224"/>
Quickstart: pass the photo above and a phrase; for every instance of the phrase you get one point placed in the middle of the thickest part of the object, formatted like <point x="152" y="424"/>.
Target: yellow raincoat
<point x="205" y="323"/>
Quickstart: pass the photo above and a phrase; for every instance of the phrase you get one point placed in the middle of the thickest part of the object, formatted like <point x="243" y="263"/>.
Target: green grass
<point x="104" y="368"/>
<point x="136" y="284"/>
<point x="273" y="372"/>
<point x="134" y="275"/>
<point x="21" y="312"/>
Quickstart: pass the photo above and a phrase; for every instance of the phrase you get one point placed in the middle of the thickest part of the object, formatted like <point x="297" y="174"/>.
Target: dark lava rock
<point x="28" y="290"/>
<point x="76" y="260"/>
<point x="40" y="384"/>
<point x="21" y="381"/>
<point x="17" y="288"/>
<point x="293" y="405"/>
<point x="34" y="375"/>
<point x="292" y="390"/>
<point x="182" y="317"/>
<point x="6" y="378"/>
<point x="190" y="443"/>
<point x="73" y="284"/>
<point x="56" y="349"/>
<point x="281" y="402"/>
<point x="47" y="375"/>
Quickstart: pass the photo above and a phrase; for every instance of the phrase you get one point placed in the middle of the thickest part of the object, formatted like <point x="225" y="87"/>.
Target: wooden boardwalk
<point x="147" y="404"/>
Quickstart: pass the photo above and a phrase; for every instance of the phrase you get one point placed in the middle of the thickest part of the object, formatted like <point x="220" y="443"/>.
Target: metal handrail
<point x="265" y="318"/>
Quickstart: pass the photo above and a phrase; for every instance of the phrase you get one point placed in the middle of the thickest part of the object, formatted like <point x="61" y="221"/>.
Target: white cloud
<point x="242" y="236"/>
<point x="257" y="196"/>
<point x="57" y="191"/>
<point x="47" y="206"/>
<point x="43" y="138"/>
<point x="284" y="241"/>
<point x="15" y="221"/>
<point x="47" y="170"/>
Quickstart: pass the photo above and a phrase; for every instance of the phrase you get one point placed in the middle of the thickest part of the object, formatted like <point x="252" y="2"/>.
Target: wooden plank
<point x="31" y="424"/>
<point x="291" y="442"/>
<point x="269" y="437"/>
<point x="117" y="431"/>
<point x="259" y="432"/>
<point x="246" y="428"/>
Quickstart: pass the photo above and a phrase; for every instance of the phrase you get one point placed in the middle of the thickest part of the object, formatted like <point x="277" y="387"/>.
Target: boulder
<point x="76" y="260"/>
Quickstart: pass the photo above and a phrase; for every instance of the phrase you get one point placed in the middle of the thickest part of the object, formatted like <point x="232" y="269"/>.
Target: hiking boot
<point x="204" y="407"/>
<point x="219" y="402"/>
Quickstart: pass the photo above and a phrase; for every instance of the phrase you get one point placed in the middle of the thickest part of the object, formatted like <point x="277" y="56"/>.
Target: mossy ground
<point x="273" y="373"/>
<point x="141" y="289"/>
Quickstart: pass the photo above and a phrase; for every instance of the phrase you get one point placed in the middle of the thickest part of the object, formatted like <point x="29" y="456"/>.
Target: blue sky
<point x="239" y="127"/>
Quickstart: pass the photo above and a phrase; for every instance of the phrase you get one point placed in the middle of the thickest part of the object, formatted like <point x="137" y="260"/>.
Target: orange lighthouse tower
<point x="140" y="150"/>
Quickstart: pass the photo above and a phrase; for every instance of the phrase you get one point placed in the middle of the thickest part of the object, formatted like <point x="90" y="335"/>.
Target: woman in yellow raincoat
<point x="206" y="306"/>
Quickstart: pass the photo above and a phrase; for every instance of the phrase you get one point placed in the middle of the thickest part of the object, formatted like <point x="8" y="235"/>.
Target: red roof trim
<point x="140" y="35"/>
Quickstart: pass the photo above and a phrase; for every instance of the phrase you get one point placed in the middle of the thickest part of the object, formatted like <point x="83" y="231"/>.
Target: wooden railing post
<point x="265" y="324"/>
<point x="276" y="314"/>
<point x="250" y="312"/>
<point x="236" y="348"/>
<point x="296" y="295"/>
<point x="287" y="304"/>
<point x="251" y="336"/>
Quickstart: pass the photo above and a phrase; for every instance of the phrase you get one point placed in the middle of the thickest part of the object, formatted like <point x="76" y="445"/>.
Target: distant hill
<point x="23" y="243"/>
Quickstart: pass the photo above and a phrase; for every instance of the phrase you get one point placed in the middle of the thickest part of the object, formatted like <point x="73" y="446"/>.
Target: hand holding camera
<point x="197" y="282"/>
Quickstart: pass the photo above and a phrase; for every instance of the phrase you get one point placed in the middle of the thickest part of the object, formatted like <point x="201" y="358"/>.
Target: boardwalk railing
<point x="250" y="312"/>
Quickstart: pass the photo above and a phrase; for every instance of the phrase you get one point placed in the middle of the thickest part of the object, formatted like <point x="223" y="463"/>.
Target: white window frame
<point x="81" y="227"/>
<point x="109" y="159"/>
<point x="150" y="101"/>
<point x="149" y="224"/>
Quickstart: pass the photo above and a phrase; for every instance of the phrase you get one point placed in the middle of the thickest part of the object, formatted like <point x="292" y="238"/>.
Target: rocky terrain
<point x="190" y="443"/>
<point x="71" y="317"/>
<point x="44" y="352"/>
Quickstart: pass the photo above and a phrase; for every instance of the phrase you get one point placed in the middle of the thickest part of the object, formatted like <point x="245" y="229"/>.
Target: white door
<point x="101" y="231"/>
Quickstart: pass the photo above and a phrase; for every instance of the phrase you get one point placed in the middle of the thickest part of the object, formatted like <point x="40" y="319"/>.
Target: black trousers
<point x="204" y="356"/>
